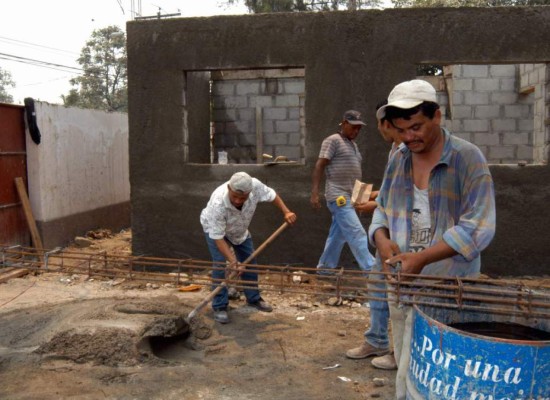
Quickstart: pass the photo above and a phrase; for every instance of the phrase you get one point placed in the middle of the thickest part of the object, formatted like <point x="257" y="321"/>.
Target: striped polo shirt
<point x="344" y="167"/>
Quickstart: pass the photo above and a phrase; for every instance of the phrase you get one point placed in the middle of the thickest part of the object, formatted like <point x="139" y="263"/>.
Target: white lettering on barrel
<point x="426" y="345"/>
<point x="491" y="372"/>
<point x="516" y="379"/>
<point x="468" y="369"/>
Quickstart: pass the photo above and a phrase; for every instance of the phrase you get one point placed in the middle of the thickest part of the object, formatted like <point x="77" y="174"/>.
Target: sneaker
<point x="261" y="305"/>
<point x="384" y="362"/>
<point x="221" y="316"/>
<point x="366" y="350"/>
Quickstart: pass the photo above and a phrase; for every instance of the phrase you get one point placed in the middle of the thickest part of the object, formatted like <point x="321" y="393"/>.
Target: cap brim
<point x="355" y="122"/>
<point x="404" y="104"/>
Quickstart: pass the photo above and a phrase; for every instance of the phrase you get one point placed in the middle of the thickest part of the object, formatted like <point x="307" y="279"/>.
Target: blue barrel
<point x="450" y="363"/>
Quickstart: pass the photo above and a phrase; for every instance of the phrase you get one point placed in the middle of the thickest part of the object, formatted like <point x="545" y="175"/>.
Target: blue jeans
<point x="377" y="334"/>
<point x="346" y="228"/>
<point x="242" y="251"/>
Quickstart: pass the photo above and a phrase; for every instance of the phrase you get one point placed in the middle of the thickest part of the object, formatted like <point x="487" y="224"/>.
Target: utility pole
<point x="158" y="16"/>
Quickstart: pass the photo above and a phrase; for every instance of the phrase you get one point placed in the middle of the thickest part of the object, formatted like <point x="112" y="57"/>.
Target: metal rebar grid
<point x="479" y="295"/>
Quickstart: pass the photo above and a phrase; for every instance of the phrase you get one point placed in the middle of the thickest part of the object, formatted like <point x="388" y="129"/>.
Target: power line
<point x="37" y="45"/>
<point x="39" y="63"/>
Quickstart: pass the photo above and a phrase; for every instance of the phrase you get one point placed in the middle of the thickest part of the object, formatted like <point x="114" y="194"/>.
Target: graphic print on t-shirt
<point x="421" y="225"/>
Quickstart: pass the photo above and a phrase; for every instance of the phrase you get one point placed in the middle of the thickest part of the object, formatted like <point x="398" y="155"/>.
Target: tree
<point x="5" y="82"/>
<point x="266" y="6"/>
<point x="103" y="84"/>
<point x="466" y="3"/>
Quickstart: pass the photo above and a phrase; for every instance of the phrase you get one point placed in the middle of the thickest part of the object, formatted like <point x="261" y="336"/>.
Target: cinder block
<point x="504" y="153"/>
<point x="294" y="86"/>
<point x="515" y="138"/>
<point x="525" y="153"/>
<point x="275" y="139"/>
<point x="460" y="112"/>
<point x="487" y="112"/>
<point x="293" y="113"/>
<point x="504" y="98"/>
<point x="458" y="98"/>
<point x="503" y="70"/>
<point x="238" y="127"/>
<point x="457" y="126"/>
<point x="294" y="139"/>
<point x="289" y="100"/>
<point x="526" y="125"/>
<point x="475" y="98"/>
<point x="516" y="111"/>
<point x="234" y="101"/>
<point x="268" y="126"/>
<point x="247" y="139"/>
<point x="292" y="152"/>
<point x="262" y="101"/>
<point x="486" y="84"/>
<point x="463" y="84"/>
<point x="486" y="139"/>
<point x="504" y="125"/>
<point x="246" y="114"/>
<point x="275" y="113"/>
<point x="508" y="84"/>
<point x="224" y="115"/>
<point x="287" y="126"/>
<point x="247" y="87"/>
<point x="465" y="136"/>
<point x="223" y="88"/>
<point x="476" y="125"/>
<point x="475" y="71"/>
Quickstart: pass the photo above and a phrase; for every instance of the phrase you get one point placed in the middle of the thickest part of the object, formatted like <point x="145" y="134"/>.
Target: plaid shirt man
<point x="462" y="205"/>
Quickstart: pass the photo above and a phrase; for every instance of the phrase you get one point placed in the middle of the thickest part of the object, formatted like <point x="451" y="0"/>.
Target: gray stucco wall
<point x="351" y="60"/>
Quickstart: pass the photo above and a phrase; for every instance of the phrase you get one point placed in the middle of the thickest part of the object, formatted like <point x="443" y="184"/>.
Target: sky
<point x="55" y="31"/>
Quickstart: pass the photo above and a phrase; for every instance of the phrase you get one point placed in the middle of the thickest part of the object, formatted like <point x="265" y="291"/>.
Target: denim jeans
<point x="346" y="227"/>
<point x="377" y="334"/>
<point x="242" y="251"/>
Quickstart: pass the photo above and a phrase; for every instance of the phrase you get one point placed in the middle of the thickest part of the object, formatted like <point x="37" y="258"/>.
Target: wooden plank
<point x="22" y="191"/>
<point x="259" y="136"/>
<point x="6" y="276"/>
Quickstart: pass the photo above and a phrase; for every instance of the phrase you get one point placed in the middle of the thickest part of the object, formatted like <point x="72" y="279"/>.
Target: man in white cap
<point x="436" y="206"/>
<point x="340" y="160"/>
<point x="225" y="222"/>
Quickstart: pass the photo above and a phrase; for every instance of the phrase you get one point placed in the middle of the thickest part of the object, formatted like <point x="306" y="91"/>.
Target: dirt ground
<point x="67" y="336"/>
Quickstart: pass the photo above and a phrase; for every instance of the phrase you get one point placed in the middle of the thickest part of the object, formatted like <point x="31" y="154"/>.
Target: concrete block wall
<point x="488" y="110"/>
<point x="535" y="79"/>
<point x="281" y="103"/>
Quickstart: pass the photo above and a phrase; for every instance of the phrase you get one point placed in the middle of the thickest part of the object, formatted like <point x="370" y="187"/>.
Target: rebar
<point x="473" y="294"/>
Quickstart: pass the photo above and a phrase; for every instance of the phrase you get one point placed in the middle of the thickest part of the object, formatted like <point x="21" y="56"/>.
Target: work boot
<point x="261" y="305"/>
<point x="221" y="316"/>
<point x="384" y="362"/>
<point x="366" y="350"/>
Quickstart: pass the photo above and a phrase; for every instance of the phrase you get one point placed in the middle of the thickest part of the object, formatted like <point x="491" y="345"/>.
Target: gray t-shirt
<point x="344" y="167"/>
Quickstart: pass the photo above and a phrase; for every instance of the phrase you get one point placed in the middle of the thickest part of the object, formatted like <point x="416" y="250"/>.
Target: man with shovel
<point x="225" y="222"/>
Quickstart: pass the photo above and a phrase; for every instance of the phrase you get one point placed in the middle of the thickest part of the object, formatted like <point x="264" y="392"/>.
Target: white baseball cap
<point x="408" y="95"/>
<point x="241" y="182"/>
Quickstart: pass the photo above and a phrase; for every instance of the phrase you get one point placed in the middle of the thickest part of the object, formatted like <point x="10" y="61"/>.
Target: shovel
<point x="233" y="275"/>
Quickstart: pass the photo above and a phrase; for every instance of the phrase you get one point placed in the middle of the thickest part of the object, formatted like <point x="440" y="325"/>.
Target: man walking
<point x="225" y="222"/>
<point x="436" y="208"/>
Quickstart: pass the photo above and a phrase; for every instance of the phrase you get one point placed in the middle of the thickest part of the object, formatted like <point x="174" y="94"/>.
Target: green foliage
<point x="5" y="82"/>
<point x="103" y="84"/>
<point x="267" y="6"/>
<point x="466" y="3"/>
